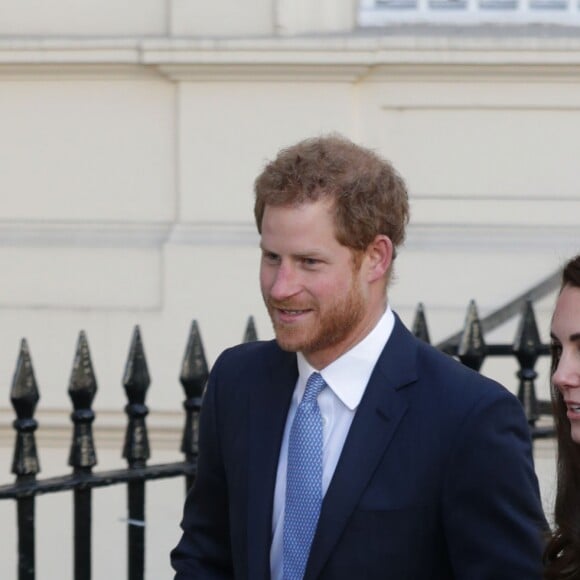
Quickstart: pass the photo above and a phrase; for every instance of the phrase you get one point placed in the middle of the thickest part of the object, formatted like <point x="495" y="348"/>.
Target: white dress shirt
<point x="347" y="378"/>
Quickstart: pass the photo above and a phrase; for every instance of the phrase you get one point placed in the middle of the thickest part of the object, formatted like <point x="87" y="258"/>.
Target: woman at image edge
<point x="562" y="555"/>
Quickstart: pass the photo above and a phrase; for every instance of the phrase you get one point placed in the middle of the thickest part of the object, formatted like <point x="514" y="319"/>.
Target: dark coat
<point x="435" y="481"/>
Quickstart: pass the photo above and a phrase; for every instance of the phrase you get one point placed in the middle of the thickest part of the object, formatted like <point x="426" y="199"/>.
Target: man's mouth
<point x="285" y="314"/>
<point x="288" y="307"/>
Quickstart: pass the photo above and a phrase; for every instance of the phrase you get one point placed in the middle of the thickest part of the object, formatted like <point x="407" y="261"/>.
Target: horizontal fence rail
<point x="82" y="458"/>
<point x="385" y="12"/>
<point x="468" y="346"/>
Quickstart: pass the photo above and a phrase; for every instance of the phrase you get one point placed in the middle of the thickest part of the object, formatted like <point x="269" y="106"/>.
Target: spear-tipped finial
<point x="472" y="349"/>
<point x="83" y="384"/>
<point x="250" y="334"/>
<point x="527" y="348"/>
<point x="24" y="393"/>
<point x="136" y="378"/>
<point x="194" y="369"/>
<point x="136" y="382"/>
<point x="24" y="397"/>
<point x="194" y="375"/>
<point x="527" y="344"/>
<point x="420" y="329"/>
<point x="82" y="389"/>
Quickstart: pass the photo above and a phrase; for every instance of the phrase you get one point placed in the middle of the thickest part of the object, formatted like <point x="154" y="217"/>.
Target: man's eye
<point x="310" y="261"/>
<point x="271" y="257"/>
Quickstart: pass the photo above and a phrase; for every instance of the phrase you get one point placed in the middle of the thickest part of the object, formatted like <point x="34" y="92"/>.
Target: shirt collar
<point x="349" y="374"/>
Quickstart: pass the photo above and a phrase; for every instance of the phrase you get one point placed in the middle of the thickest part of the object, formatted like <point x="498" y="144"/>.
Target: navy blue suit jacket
<point x="435" y="480"/>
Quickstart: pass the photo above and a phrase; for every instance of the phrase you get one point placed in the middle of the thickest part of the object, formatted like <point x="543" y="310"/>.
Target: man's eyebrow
<point x="308" y="254"/>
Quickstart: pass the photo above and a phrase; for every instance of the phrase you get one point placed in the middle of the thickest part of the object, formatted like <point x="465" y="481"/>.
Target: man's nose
<point x="285" y="283"/>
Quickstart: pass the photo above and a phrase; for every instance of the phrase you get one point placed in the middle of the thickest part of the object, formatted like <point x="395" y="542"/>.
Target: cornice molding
<point x="125" y="234"/>
<point x="215" y="234"/>
<point x="563" y="240"/>
<point x="83" y="234"/>
<point x="318" y="58"/>
<point x="421" y="234"/>
<point x="311" y="71"/>
<point x="35" y="71"/>
<point x="501" y="212"/>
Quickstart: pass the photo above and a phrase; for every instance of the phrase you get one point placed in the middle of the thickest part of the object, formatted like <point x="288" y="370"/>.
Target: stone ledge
<point x="347" y="57"/>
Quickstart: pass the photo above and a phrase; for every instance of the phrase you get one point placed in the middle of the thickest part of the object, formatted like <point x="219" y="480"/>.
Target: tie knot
<point x="314" y="386"/>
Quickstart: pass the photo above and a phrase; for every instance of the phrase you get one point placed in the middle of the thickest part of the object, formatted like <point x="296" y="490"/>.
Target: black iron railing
<point x="82" y="480"/>
<point x="468" y="346"/>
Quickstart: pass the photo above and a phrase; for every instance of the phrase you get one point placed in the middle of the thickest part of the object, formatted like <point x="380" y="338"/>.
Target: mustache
<point x="287" y="304"/>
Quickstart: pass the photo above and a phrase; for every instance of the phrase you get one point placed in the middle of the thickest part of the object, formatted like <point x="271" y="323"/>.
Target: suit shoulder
<point x="248" y="353"/>
<point x="462" y="398"/>
<point x="250" y="360"/>
<point x="455" y="376"/>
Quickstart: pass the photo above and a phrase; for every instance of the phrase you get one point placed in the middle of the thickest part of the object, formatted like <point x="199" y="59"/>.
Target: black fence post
<point x="527" y="348"/>
<point x="136" y="452"/>
<point x="472" y="349"/>
<point x="193" y="378"/>
<point x="419" y="328"/>
<point x="82" y="389"/>
<point x="250" y="334"/>
<point x="25" y="465"/>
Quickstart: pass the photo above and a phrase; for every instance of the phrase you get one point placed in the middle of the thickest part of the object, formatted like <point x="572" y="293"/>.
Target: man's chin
<point x="287" y="345"/>
<point x="287" y="340"/>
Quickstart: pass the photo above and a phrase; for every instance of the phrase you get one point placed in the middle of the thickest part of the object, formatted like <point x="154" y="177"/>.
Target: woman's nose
<point x="567" y="373"/>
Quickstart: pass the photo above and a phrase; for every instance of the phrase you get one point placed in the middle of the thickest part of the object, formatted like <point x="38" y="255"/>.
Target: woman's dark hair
<point x="562" y="554"/>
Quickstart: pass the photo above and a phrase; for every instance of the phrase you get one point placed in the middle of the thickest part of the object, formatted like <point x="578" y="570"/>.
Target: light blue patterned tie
<point x="303" y="480"/>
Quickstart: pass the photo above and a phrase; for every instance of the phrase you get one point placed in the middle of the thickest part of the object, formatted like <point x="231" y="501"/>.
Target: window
<point x="385" y="12"/>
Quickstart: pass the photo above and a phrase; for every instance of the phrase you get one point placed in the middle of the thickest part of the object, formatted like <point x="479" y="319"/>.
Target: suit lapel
<point x="375" y="423"/>
<point x="268" y="408"/>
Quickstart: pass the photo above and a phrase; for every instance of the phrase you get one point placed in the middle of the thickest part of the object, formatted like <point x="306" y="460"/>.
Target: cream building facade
<point x="131" y="135"/>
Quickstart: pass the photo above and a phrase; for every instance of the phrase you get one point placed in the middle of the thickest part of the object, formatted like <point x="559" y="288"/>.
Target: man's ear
<point x="380" y="257"/>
